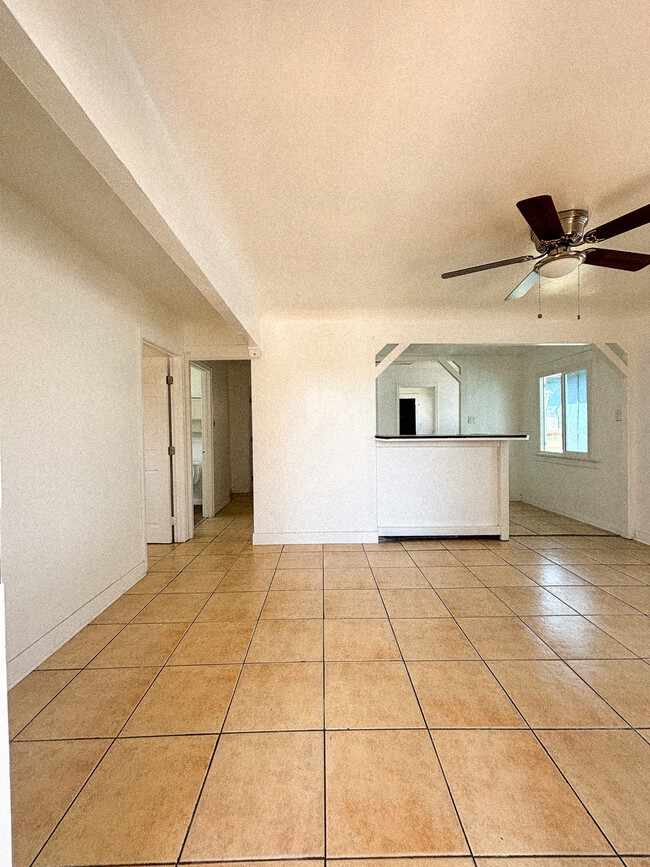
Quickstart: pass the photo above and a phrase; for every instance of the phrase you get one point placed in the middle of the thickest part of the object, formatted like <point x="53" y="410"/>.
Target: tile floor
<point x="446" y="700"/>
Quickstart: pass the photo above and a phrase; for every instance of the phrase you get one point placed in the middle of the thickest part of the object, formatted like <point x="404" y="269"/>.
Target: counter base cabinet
<point x="437" y="487"/>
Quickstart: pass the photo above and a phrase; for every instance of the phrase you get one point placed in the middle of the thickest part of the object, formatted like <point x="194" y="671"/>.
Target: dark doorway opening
<point x="407" y="416"/>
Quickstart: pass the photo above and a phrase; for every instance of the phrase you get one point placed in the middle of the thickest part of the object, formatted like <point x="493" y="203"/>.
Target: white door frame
<point x="183" y="513"/>
<point x="208" y="441"/>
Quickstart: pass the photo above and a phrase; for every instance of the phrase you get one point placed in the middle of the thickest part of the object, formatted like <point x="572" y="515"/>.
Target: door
<point x="407" y="416"/>
<point x="157" y="463"/>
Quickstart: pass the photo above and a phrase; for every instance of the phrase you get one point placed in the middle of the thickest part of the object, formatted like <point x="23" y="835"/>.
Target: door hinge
<point x="171" y="450"/>
<point x="169" y="380"/>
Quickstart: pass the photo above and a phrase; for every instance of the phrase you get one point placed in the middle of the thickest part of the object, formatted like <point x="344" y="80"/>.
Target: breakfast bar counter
<point x="444" y="485"/>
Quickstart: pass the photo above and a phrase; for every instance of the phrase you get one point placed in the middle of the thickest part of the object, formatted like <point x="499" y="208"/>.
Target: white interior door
<point x="157" y="468"/>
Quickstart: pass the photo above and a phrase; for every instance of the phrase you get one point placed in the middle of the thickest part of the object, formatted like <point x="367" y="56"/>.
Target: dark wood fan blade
<point x="617" y="259"/>
<point x="525" y="286"/>
<point x="541" y="215"/>
<point x="487" y="267"/>
<point x="621" y="224"/>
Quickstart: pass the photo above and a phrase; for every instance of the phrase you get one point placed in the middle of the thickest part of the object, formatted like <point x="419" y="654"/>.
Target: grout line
<point x="417" y="698"/>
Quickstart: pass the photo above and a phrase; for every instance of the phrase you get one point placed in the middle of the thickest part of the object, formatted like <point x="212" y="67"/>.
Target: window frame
<point x="562" y="367"/>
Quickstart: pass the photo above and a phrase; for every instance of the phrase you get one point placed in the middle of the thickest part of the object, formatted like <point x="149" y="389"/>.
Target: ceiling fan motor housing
<point x="574" y="222"/>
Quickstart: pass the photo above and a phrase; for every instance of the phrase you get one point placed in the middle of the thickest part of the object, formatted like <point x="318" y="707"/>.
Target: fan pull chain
<point x="539" y="297"/>
<point x="578" y="291"/>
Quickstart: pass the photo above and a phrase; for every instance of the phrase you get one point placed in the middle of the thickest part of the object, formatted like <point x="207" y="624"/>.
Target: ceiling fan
<point x="556" y="235"/>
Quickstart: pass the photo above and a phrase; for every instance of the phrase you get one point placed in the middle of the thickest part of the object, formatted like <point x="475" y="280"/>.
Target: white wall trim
<point x="5" y="793"/>
<point x="641" y="537"/>
<point x="325" y="538"/>
<point x="452" y="530"/>
<point x="31" y="657"/>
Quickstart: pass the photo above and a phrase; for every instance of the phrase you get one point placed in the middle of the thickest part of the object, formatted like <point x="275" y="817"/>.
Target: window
<point x="563" y="412"/>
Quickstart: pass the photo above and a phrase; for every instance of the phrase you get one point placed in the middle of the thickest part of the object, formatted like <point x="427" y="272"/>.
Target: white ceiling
<point x="42" y="165"/>
<point x="362" y="148"/>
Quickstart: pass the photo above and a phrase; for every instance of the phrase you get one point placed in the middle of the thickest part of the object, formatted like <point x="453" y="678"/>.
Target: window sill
<point x="567" y="459"/>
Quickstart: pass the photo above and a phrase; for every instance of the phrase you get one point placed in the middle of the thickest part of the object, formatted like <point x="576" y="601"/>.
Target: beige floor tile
<point x="302" y="549"/>
<point x="30" y="696"/>
<point x="623" y="683"/>
<point x="550" y="574"/>
<point x="185" y="700"/>
<point x="211" y="563"/>
<point x="399" y="559"/>
<point x="171" y="563"/>
<point x="236" y="547"/>
<point x="473" y="602"/>
<point x="637" y="597"/>
<point x="570" y="557"/>
<point x="640" y="573"/>
<point x="137" y="805"/>
<point x="463" y="544"/>
<point x="238" y="582"/>
<point x="301" y="561"/>
<point x="511" y="798"/>
<point x="368" y="695"/>
<point x="432" y="638"/>
<point x="504" y="638"/>
<point x="462" y="695"/>
<point x="502" y="576"/>
<point x="354" y="603"/>
<point x="254" y="560"/>
<point x="576" y="638"/>
<point x="645" y="733"/>
<point x="394" y="577"/>
<point x="601" y="575"/>
<point x="534" y="600"/>
<point x="344" y="559"/>
<point x="450" y="576"/>
<point x="293" y="604"/>
<point x="422" y="545"/>
<point x="479" y="557"/>
<point x="195" y="582"/>
<point x="421" y="861"/>
<point x="263" y="798"/>
<point x="140" y="644"/>
<point x="359" y="639"/>
<point x="152" y="583"/>
<point x="520" y="557"/>
<point x="610" y="771"/>
<point x="298" y="579"/>
<point x="214" y="643"/>
<point x="233" y="606"/>
<point x="386" y="795"/>
<point x="383" y="546"/>
<point x="427" y="559"/>
<point x="549" y="695"/>
<point x="349" y="578"/>
<point x="632" y="632"/>
<point x="633" y="861"/>
<point x="37" y="803"/>
<point x="334" y="547"/>
<point x="172" y="608"/>
<point x="599" y="861"/>
<point x="413" y="603"/>
<point x="287" y="641"/>
<point x="277" y="696"/>
<point x="81" y="648"/>
<point x="123" y="609"/>
<point x="96" y="704"/>
<point x="590" y="600"/>
<point x="610" y="555"/>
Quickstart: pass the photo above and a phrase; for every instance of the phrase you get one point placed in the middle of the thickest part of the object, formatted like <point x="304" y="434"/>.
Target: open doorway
<point x="221" y="436"/>
<point x="202" y="442"/>
<point x="157" y="441"/>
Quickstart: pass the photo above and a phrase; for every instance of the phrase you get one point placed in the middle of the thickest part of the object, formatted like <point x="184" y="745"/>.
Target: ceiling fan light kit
<point x="557" y="234"/>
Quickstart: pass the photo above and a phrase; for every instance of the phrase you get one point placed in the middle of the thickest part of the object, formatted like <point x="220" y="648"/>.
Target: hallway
<point x="443" y="698"/>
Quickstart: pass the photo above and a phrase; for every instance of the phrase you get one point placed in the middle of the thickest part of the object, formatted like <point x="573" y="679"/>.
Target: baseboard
<point x="30" y="658"/>
<point x="642" y="537"/>
<point x="222" y="505"/>
<point x="331" y="538"/>
<point x="460" y="530"/>
<point x="583" y="518"/>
